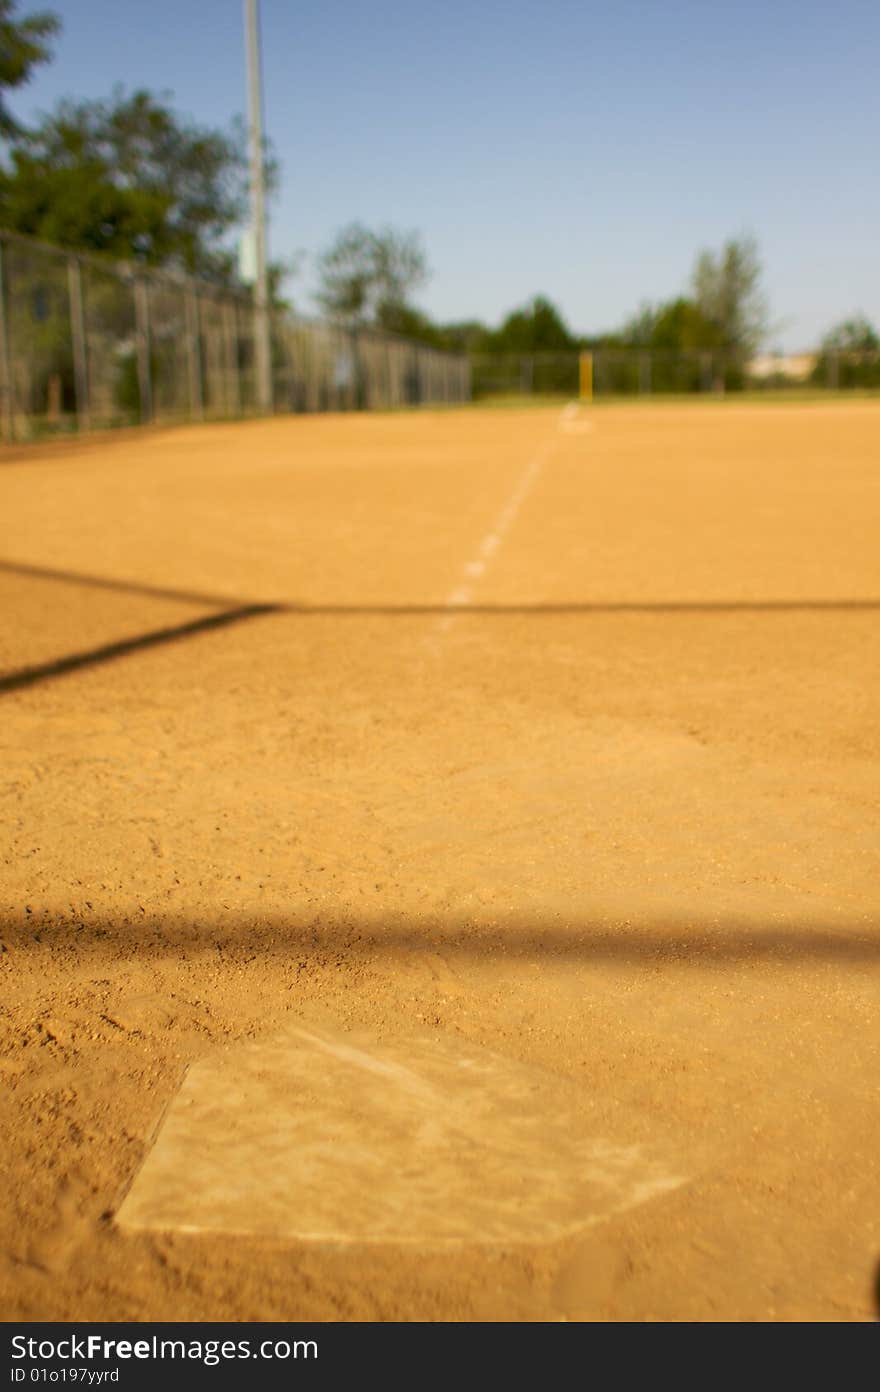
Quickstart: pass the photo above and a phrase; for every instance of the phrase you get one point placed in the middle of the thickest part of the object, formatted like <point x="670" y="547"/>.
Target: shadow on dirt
<point x="235" y="611"/>
<point x="652" y="944"/>
<point x="108" y="652"/>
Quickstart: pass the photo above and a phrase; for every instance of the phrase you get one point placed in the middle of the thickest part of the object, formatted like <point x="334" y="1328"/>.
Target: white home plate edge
<point x="319" y="1136"/>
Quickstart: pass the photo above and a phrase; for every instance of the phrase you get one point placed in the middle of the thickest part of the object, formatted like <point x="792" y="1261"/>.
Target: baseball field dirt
<point x="440" y="867"/>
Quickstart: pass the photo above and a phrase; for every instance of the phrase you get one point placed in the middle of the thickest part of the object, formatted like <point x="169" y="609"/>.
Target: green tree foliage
<point x="536" y="328"/>
<point x="856" y="335"/>
<point x="727" y="291"/>
<point x="23" y="46"/>
<point x="679" y="326"/>
<point x="464" y="336"/>
<point x="850" y="355"/>
<point x="367" y="277"/>
<point x="706" y="336"/>
<point x="130" y="177"/>
<point x="531" y="350"/>
<point x="408" y="322"/>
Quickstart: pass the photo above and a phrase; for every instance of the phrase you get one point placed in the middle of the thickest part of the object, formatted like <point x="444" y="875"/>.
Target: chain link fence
<point x="87" y="343"/>
<point x="639" y="372"/>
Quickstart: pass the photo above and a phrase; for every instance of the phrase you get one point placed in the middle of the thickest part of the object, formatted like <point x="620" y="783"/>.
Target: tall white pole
<point x="262" y="338"/>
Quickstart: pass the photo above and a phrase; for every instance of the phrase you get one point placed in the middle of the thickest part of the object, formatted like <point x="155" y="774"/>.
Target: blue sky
<point x="584" y="151"/>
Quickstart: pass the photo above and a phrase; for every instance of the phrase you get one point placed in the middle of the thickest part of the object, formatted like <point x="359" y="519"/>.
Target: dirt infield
<point x="548" y="741"/>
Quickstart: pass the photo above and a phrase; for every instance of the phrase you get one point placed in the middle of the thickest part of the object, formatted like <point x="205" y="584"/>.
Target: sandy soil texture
<point x="547" y="741"/>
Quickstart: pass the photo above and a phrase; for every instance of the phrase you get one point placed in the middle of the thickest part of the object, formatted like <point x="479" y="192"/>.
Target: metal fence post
<point x="142" y="322"/>
<point x="721" y="370"/>
<point x="354" y="385"/>
<point x="645" y="374"/>
<point x="194" y="355"/>
<point x="230" y="352"/>
<point x="79" y="344"/>
<point x="387" y="373"/>
<point x="6" y="405"/>
<point x="833" y="371"/>
<point x="598" y="373"/>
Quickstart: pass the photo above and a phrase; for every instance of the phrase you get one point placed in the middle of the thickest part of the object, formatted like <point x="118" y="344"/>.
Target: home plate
<point x="338" y="1138"/>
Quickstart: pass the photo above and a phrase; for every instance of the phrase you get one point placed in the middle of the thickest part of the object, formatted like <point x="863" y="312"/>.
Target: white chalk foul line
<point x="461" y="596"/>
<point x="571" y="422"/>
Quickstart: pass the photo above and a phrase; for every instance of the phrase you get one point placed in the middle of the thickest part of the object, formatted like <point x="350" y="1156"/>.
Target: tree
<point x="464" y="336"/>
<point x="469" y="336"/>
<point x="850" y="355"/>
<point x="856" y="335"/>
<point x="367" y="276"/>
<point x="130" y="177"/>
<point x="408" y="322"/>
<point x="678" y="326"/>
<point x="536" y="328"/>
<point x="23" y="46"/>
<point x="727" y="291"/>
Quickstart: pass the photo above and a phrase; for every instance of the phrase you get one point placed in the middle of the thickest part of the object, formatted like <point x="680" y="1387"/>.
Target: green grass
<point x="786" y="395"/>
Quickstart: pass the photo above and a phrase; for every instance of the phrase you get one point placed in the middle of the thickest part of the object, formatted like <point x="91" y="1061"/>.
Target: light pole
<point x="262" y="334"/>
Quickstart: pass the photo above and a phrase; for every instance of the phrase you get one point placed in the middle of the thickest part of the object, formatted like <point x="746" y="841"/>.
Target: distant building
<point x="795" y="367"/>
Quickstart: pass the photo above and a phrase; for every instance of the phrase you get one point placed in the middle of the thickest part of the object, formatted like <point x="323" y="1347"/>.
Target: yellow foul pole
<point x="586" y="377"/>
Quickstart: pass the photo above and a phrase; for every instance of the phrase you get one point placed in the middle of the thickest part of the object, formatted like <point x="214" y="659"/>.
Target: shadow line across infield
<point x="660" y="940"/>
<point x="22" y="677"/>
<point x="108" y="652"/>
